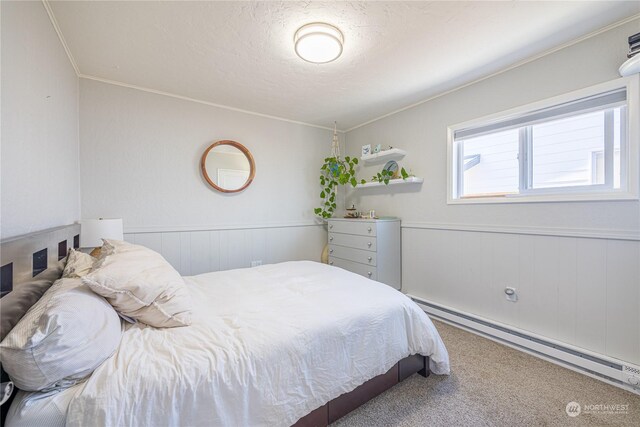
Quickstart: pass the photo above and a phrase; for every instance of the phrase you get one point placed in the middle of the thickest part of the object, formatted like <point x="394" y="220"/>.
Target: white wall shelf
<point x="399" y="181"/>
<point x="383" y="156"/>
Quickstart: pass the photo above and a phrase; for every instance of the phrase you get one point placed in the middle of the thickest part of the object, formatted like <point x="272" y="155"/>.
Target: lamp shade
<point x="92" y="231"/>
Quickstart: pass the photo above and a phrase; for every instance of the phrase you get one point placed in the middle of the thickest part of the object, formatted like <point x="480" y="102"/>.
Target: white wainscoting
<point x="581" y="291"/>
<point x="202" y="251"/>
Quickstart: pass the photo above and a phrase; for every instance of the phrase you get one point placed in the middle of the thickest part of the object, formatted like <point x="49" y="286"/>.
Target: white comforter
<point x="267" y="346"/>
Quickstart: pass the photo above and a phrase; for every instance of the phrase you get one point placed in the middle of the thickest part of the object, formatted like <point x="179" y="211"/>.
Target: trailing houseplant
<point x="335" y="171"/>
<point x="385" y="176"/>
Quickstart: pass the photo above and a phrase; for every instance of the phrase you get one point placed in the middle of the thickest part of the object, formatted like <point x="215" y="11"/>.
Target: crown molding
<point x="54" y="22"/>
<point x="56" y="27"/>
<point x="504" y="70"/>
<point x="201" y="101"/>
<point x="81" y="75"/>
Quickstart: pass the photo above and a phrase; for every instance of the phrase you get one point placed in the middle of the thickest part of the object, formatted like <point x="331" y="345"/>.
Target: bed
<point x="295" y="343"/>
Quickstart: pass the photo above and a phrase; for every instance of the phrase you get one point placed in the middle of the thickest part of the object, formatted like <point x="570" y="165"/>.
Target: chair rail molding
<point x="213" y="227"/>
<point x="591" y="233"/>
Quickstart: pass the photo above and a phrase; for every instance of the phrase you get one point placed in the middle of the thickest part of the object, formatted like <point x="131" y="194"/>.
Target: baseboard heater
<point x="610" y="370"/>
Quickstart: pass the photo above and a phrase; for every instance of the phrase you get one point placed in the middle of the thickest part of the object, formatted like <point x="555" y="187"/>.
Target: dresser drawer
<point x="361" y="269"/>
<point x="355" y="255"/>
<point x="352" y="241"/>
<point x="353" y="227"/>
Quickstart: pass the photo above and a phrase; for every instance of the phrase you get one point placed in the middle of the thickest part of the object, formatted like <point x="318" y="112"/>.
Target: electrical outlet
<point x="510" y="294"/>
<point x="256" y="263"/>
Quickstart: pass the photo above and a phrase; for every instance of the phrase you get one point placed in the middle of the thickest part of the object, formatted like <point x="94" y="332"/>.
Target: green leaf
<point x="363" y="181"/>
<point x="317" y="211"/>
<point x="355" y="160"/>
<point x="347" y="158"/>
<point x="354" y="182"/>
<point x="322" y="195"/>
<point x="333" y="206"/>
<point x="404" y="173"/>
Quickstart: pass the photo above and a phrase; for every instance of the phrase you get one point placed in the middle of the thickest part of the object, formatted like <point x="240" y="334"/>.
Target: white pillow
<point x="140" y="284"/>
<point x="62" y="339"/>
<point x="78" y="264"/>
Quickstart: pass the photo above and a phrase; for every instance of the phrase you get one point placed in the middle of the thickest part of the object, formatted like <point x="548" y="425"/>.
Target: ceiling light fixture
<point x="318" y="42"/>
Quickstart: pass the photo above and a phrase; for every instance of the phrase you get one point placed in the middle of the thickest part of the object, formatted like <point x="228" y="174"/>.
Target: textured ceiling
<point x="240" y="54"/>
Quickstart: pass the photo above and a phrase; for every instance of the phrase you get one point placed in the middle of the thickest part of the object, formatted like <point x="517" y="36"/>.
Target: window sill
<point x="547" y="198"/>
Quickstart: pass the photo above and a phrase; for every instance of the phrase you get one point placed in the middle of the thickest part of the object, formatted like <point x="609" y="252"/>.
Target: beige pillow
<point x="78" y="264"/>
<point x="62" y="339"/>
<point x="140" y="284"/>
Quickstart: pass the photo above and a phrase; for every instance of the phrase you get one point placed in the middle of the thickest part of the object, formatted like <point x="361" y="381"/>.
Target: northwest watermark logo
<point x="573" y="409"/>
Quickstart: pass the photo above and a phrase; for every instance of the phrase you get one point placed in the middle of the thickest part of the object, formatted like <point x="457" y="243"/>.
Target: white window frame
<point x="629" y="146"/>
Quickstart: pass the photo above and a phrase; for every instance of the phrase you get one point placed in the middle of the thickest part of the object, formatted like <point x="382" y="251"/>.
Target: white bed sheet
<point x="267" y="346"/>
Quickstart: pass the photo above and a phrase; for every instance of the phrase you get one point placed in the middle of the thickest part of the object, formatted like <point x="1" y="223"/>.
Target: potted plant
<point x="334" y="171"/>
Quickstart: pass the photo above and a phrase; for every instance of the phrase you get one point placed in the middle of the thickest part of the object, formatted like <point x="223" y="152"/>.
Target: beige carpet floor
<point x="494" y="385"/>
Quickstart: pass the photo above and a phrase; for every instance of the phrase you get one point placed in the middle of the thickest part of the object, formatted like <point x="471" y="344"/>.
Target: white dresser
<point x="369" y="247"/>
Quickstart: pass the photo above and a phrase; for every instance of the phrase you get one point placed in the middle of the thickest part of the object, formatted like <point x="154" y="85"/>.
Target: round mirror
<point x="228" y="166"/>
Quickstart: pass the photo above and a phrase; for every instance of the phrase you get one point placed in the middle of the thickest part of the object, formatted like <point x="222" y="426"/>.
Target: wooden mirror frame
<point x="245" y="151"/>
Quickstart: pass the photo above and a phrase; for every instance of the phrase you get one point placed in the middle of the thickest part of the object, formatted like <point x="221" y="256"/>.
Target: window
<point x="574" y="147"/>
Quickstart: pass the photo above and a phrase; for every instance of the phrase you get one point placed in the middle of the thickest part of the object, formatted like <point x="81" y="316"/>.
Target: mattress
<point x="267" y="346"/>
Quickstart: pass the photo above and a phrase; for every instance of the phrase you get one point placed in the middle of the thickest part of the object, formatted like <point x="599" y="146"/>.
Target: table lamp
<point x="92" y="231"/>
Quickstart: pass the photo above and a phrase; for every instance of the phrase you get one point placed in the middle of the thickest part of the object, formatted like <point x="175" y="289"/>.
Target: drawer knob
<point x="369" y="244"/>
<point x="330" y="262"/>
<point x="330" y="225"/>
<point x="331" y="238"/>
<point x="369" y="274"/>
<point x="330" y="251"/>
<point x="369" y="229"/>
<point x="369" y="258"/>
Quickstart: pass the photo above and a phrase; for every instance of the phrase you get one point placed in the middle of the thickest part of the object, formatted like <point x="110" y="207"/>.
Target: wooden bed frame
<point x="342" y="405"/>
<point x="24" y="257"/>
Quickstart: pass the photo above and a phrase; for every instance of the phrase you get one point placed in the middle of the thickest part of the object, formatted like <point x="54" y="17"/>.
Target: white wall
<point x="140" y="160"/>
<point x="40" y="166"/>
<point x="583" y="288"/>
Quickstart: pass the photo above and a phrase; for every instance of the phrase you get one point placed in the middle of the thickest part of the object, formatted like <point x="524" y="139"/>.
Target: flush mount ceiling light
<point x="318" y="42"/>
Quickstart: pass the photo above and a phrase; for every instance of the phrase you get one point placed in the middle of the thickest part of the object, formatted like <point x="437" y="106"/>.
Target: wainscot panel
<point x="580" y="291"/>
<point x="202" y="251"/>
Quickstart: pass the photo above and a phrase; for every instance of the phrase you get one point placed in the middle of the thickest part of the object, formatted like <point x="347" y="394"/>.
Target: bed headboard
<point x="24" y="257"/>
<point x="29" y="264"/>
